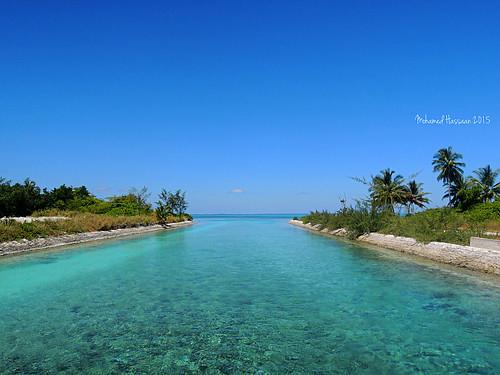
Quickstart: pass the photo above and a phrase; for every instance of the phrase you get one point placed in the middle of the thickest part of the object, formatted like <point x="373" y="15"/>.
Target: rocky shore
<point x="469" y="257"/>
<point x="22" y="246"/>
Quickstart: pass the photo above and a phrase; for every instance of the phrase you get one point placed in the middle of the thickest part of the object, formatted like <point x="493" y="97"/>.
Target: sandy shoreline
<point x="473" y="258"/>
<point x="23" y="246"/>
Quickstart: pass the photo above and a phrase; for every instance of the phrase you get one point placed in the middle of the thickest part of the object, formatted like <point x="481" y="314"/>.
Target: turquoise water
<point x="243" y="295"/>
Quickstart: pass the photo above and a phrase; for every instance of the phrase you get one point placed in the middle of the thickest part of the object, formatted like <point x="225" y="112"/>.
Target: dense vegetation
<point x="473" y="205"/>
<point x="85" y="211"/>
<point x="170" y="205"/>
<point x="26" y="198"/>
<point x="77" y="223"/>
<point x="447" y="224"/>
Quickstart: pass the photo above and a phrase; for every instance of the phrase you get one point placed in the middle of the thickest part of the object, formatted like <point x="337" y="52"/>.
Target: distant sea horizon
<point x="249" y="214"/>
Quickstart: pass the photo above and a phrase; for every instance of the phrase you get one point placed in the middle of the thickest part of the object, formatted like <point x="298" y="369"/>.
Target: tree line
<point x="473" y="204"/>
<point x="388" y="190"/>
<point x="23" y="199"/>
<point x="461" y="191"/>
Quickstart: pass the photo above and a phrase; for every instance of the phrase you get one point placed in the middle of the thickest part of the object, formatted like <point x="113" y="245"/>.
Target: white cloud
<point x="237" y="190"/>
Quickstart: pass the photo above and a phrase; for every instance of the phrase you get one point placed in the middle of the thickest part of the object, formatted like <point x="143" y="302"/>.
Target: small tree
<point x="170" y="204"/>
<point x="181" y="204"/>
<point x="164" y="207"/>
<point x="141" y="196"/>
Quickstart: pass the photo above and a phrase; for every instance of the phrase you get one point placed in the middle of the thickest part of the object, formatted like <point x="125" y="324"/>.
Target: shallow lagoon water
<point x="243" y="295"/>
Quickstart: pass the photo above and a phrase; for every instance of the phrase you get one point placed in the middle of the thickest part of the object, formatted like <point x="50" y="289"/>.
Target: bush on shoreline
<point x="171" y="205"/>
<point x="77" y="223"/>
<point x="437" y="224"/>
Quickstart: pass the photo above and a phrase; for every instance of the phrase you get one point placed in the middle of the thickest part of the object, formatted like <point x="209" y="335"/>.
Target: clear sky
<point x="249" y="106"/>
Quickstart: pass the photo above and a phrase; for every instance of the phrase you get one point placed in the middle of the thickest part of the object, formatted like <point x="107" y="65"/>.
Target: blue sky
<point x="255" y="106"/>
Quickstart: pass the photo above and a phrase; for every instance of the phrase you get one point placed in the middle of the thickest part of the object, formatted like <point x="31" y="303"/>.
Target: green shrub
<point x="365" y="219"/>
<point x="438" y="224"/>
<point x="357" y="220"/>
<point x="77" y="223"/>
<point x="484" y="212"/>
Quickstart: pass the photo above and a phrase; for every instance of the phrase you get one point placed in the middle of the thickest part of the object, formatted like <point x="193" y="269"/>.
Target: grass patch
<point x="78" y="222"/>
<point x="439" y="224"/>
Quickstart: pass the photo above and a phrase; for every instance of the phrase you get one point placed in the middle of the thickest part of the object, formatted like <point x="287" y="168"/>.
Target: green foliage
<point x="415" y="196"/>
<point x="164" y="207"/>
<point x="467" y="197"/>
<point x="486" y="183"/>
<point x="77" y="223"/>
<point x="19" y="199"/>
<point x="449" y="167"/>
<point x="141" y="197"/>
<point x="462" y="192"/>
<point x="177" y="218"/>
<point x="179" y="202"/>
<point x="128" y="204"/>
<point x="364" y="218"/>
<point x="388" y="190"/>
<point x="466" y="216"/>
<point x="162" y="214"/>
<point x="170" y="205"/>
<point x="85" y="211"/>
<point x="482" y="212"/>
<point x="326" y="219"/>
<point x="25" y="199"/>
<point x="59" y="197"/>
<point x="11" y="230"/>
<point x="440" y="224"/>
<point x="358" y="220"/>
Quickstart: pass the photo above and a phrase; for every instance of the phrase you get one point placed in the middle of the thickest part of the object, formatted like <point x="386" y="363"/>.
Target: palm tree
<point x="446" y="162"/>
<point x="387" y="190"/>
<point x="456" y="189"/>
<point x="415" y="196"/>
<point x="486" y="181"/>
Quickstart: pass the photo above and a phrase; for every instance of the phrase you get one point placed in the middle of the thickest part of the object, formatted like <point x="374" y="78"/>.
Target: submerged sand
<point x="22" y="246"/>
<point x="474" y="258"/>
